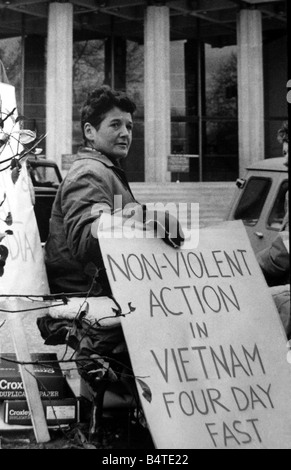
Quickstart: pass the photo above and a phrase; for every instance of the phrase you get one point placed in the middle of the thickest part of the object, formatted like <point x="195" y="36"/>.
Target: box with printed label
<point x="50" y="379"/>
<point x="57" y="412"/>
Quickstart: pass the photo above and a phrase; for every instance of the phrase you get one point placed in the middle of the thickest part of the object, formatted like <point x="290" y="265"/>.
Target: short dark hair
<point x="283" y="133"/>
<point x="100" y="101"/>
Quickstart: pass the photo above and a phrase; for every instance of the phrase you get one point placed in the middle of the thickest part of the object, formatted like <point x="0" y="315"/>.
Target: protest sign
<point x="22" y="269"/>
<point x="206" y="343"/>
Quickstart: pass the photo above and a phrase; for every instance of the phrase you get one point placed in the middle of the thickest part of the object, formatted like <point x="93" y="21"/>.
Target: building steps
<point x="214" y="198"/>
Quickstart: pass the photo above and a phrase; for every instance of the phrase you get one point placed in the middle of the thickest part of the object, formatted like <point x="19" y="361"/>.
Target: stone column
<point x="59" y="81"/>
<point x="250" y="88"/>
<point x="157" y="93"/>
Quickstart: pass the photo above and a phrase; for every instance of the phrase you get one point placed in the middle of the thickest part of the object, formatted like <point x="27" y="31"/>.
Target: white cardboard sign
<point x="24" y="270"/>
<point x="205" y="337"/>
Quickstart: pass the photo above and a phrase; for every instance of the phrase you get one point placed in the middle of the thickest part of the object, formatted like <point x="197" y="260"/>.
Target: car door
<point x="46" y="178"/>
<point x="262" y="207"/>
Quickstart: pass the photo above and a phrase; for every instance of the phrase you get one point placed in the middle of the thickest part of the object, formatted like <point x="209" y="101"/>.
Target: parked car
<point x="260" y="201"/>
<point x="46" y="178"/>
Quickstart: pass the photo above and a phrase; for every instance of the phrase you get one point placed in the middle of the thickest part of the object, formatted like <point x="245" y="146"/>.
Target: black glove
<point x="165" y="225"/>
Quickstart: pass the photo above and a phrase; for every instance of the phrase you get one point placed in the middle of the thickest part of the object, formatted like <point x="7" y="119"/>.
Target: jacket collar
<point x="85" y="153"/>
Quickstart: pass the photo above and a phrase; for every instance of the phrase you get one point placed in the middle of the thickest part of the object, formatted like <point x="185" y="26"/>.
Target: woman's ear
<point x="88" y="131"/>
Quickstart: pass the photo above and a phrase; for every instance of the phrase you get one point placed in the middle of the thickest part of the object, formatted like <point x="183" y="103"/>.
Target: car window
<point x="43" y="176"/>
<point x="252" y="200"/>
<point x="278" y="211"/>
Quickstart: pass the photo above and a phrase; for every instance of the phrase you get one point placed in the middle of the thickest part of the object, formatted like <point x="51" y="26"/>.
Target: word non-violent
<point x="188" y="264"/>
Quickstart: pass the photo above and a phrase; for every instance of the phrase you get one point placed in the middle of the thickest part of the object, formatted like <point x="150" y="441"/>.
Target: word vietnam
<point x="208" y="363"/>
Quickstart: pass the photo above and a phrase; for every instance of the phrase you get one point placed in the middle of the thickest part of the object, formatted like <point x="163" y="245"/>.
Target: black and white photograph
<point x="144" y="227"/>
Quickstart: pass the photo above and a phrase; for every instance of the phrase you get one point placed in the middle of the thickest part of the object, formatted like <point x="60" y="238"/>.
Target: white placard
<point x="205" y="337"/>
<point x="24" y="270"/>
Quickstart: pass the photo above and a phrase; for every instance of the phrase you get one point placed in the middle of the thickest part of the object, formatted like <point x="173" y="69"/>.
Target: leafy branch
<point x="24" y="139"/>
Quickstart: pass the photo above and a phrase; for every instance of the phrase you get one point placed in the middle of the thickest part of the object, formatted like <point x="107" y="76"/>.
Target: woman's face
<point x="114" y="136"/>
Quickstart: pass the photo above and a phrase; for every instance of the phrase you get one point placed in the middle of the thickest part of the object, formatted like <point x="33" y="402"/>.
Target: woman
<point x="73" y="259"/>
<point x="72" y="253"/>
<point x="95" y="180"/>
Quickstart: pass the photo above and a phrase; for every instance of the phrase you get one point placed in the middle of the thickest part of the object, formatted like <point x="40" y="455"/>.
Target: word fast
<point x="235" y="433"/>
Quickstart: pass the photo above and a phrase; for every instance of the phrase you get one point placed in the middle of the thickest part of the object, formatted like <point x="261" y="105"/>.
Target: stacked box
<point x="57" y="412"/>
<point x="60" y="405"/>
<point x="48" y="373"/>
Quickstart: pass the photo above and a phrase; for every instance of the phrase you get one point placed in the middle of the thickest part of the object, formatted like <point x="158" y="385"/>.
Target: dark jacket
<point x="72" y="255"/>
<point x="275" y="261"/>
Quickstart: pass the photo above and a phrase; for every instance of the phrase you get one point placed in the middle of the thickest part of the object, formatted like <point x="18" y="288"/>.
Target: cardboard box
<point x="57" y="412"/>
<point x="51" y="381"/>
<point x="65" y="411"/>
